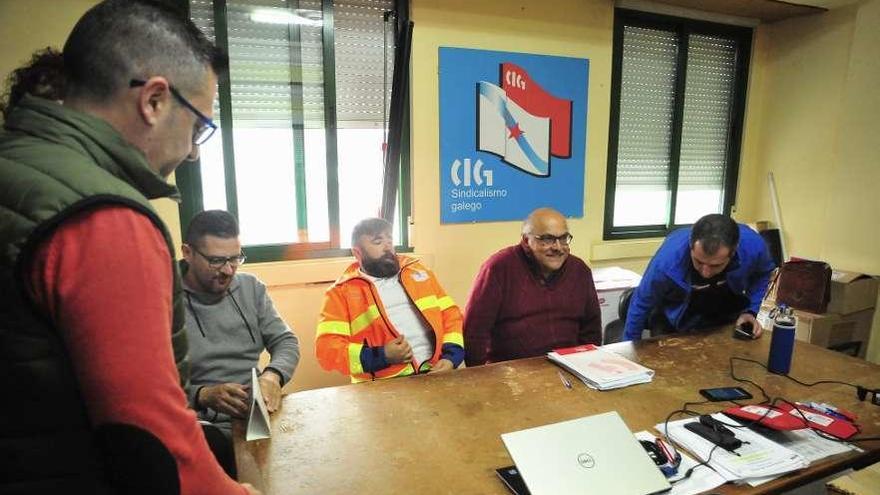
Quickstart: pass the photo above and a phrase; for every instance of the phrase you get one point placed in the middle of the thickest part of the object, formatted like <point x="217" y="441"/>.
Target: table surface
<point x="441" y="433"/>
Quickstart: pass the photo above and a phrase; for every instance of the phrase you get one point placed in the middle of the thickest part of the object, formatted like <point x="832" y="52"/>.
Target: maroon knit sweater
<point x="512" y="312"/>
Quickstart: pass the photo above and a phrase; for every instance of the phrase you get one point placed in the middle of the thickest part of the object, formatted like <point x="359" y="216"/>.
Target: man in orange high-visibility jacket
<point x="387" y="315"/>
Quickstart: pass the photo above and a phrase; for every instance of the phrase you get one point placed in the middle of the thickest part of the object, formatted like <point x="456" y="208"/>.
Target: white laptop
<point x="595" y="454"/>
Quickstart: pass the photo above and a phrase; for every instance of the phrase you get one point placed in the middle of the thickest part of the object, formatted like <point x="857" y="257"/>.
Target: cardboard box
<point x="830" y="329"/>
<point x="610" y="284"/>
<point x="851" y="292"/>
<point x="863" y="482"/>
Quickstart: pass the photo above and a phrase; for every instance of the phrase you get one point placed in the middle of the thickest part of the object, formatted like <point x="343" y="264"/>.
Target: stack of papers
<point x="600" y="369"/>
<point x="806" y="442"/>
<point x="614" y="277"/>
<point x="758" y="460"/>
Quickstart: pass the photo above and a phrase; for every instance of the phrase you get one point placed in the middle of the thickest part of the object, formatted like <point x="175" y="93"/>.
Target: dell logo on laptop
<point x="586" y="460"/>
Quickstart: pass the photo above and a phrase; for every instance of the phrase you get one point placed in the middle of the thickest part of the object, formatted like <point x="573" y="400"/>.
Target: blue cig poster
<point x="512" y="134"/>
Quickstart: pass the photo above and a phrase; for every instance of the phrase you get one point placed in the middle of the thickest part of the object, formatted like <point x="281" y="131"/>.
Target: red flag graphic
<point x="529" y="95"/>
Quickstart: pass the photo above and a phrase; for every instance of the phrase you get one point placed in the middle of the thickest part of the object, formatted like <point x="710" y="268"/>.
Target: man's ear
<point x="357" y="252"/>
<point x="154" y="100"/>
<point x="187" y="252"/>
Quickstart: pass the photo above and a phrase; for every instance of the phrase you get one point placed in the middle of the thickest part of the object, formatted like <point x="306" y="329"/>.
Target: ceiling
<point x="765" y="10"/>
<point x="826" y="4"/>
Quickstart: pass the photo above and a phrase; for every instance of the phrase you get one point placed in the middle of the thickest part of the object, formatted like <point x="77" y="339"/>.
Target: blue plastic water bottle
<point x="782" y="341"/>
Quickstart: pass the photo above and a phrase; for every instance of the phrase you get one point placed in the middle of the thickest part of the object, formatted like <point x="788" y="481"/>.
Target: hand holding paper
<point x="270" y="385"/>
<point x="258" y="418"/>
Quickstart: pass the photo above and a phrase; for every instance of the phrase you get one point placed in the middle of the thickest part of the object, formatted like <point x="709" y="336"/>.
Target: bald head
<point x="542" y="219"/>
<point x="545" y="235"/>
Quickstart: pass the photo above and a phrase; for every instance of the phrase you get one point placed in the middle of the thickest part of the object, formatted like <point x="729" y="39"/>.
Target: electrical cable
<point x="772" y="402"/>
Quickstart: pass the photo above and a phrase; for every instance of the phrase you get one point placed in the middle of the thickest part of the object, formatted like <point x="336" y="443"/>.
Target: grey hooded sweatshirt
<point x="226" y="335"/>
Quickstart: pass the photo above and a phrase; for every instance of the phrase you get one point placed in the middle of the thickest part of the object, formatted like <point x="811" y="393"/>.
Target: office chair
<point x="614" y="330"/>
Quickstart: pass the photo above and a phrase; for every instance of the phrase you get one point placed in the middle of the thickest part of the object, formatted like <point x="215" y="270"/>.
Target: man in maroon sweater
<point x="532" y="297"/>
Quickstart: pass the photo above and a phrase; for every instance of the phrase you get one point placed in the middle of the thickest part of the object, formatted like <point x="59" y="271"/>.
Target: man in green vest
<point x="92" y="346"/>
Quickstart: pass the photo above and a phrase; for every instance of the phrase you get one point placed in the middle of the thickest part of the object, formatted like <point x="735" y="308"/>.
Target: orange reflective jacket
<point x="353" y="319"/>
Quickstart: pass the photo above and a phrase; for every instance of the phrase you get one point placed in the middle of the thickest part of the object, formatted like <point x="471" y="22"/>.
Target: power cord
<point x="861" y="393"/>
<point x="676" y="446"/>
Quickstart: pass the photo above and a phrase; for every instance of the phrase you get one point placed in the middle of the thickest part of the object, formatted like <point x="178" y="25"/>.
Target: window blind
<point x="277" y="64"/>
<point x="364" y="45"/>
<point x="647" y="98"/>
<point x="708" y="98"/>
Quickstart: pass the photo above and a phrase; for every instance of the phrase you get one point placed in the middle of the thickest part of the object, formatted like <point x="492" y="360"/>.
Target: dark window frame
<point x="684" y="27"/>
<point x="188" y="176"/>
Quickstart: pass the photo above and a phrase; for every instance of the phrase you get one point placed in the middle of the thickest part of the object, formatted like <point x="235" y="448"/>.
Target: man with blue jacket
<point x="712" y="274"/>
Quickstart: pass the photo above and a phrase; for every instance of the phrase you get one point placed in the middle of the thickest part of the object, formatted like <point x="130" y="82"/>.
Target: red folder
<point x="774" y="418"/>
<point x="577" y="348"/>
<point x="837" y="427"/>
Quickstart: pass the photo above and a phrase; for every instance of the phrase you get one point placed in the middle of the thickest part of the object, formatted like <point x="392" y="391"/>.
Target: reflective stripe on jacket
<point x="354" y="321"/>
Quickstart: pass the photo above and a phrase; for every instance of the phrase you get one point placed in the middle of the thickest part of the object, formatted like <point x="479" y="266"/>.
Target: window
<point x="302" y="114"/>
<point x="678" y="96"/>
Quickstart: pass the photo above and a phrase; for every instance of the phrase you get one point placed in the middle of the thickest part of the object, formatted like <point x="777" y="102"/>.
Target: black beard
<point x="383" y="267"/>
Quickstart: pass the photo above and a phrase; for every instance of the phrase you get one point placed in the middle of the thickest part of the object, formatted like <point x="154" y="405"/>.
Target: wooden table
<point x="434" y="434"/>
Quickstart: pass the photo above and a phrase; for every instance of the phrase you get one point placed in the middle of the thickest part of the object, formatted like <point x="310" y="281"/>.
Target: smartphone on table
<point x="720" y="394"/>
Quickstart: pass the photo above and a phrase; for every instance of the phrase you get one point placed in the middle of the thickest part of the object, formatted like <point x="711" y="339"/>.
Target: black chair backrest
<point x="614" y="330"/>
<point x="623" y="304"/>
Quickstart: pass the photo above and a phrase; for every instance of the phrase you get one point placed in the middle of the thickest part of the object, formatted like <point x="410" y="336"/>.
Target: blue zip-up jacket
<point x="666" y="282"/>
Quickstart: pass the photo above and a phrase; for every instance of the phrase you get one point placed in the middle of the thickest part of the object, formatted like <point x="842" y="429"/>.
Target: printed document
<point x="758" y="457"/>
<point x="258" y="417"/>
<point x="600" y="369"/>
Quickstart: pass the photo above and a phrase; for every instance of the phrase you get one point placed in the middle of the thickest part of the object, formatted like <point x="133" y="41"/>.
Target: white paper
<point x="614" y="277"/>
<point x="702" y="479"/>
<point x="809" y="444"/>
<point x="603" y="370"/>
<point x="258" y="417"/>
<point x="757" y="458"/>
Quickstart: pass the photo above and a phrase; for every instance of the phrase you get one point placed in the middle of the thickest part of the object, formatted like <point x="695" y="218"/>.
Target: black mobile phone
<point x="744" y="331"/>
<point x="512" y="480"/>
<point x="725" y="393"/>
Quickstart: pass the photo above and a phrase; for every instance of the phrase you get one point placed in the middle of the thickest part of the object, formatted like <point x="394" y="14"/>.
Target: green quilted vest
<point x="54" y="163"/>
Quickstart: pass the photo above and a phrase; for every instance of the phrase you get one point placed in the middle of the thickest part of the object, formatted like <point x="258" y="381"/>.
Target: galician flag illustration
<point x="522" y="123"/>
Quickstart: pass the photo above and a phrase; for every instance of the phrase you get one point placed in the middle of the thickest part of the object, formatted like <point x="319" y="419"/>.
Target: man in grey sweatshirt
<point x="230" y="320"/>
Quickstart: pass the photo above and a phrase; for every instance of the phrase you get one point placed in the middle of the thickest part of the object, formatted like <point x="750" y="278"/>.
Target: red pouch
<point x="774" y="419"/>
<point x="835" y="427"/>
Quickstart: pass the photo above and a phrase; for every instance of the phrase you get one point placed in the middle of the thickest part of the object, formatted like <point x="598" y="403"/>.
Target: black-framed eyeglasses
<point x="205" y="127"/>
<point x="547" y="240"/>
<point x="218" y="262"/>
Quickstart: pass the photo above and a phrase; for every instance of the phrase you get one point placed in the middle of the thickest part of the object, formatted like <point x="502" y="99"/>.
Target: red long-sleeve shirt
<point x="512" y="312"/>
<point x="104" y="278"/>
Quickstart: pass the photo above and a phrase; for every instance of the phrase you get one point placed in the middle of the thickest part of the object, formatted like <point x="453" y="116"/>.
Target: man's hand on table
<point x="270" y="385"/>
<point x="441" y="366"/>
